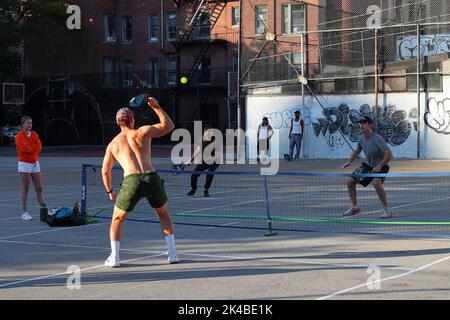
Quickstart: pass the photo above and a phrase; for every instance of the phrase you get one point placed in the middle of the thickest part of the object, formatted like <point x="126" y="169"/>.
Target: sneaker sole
<point x="113" y="266"/>
<point x="174" y="262"/>
<point x="352" y="214"/>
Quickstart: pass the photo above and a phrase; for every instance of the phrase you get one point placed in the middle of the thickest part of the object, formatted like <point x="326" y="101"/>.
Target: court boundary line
<point x="46" y="197"/>
<point x="293" y="261"/>
<point x="68" y="273"/>
<point x="385" y="279"/>
<point x="46" y="186"/>
<point x="53" y="230"/>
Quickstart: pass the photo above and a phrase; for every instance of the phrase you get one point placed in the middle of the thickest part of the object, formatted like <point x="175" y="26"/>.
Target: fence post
<point x="270" y="232"/>
<point x="83" y="188"/>
<point x="418" y="90"/>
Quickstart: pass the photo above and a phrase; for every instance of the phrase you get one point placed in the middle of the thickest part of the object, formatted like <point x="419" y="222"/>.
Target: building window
<point x="295" y="59"/>
<point x="261" y="20"/>
<point x="171" y="71"/>
<point x="153" y="75"/>
<point x="109" y="72"/>
<point x="153" y="27"/>
<point x="293" y="18"/>
<point x="171" y="26"/>
<point x="202" y="29"/>
<point x="235" y="16"/>
<point x="234" y="63"/>
<point x="127" y="73"/>
<point x="127" y="29"/>
<point x="204" y="70"/>
<point x="109" y="28"/>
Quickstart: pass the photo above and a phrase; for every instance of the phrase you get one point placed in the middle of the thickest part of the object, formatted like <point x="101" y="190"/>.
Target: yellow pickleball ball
<point x="184" y="80"/>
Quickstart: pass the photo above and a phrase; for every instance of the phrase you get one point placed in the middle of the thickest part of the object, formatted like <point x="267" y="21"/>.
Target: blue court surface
<point x="316" y="253"/>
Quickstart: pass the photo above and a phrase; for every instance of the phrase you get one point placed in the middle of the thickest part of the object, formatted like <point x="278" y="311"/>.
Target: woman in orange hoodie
<point x="29" y="147"/>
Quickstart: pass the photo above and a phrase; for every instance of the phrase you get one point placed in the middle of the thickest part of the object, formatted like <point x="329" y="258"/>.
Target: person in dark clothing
<point x="209" y="162"/>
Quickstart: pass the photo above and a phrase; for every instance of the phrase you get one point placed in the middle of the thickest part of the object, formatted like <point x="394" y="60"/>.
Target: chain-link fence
<point x="343" y="45"/>
<point x="80" y="109"/>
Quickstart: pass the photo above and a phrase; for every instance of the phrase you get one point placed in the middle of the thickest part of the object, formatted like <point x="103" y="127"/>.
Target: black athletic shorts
<point x="366" y="169"/>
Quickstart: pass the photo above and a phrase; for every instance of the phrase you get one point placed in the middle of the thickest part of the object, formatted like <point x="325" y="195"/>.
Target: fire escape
<point x="195" y="33"/>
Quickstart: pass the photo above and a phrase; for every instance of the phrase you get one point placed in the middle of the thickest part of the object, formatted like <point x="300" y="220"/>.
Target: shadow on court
<point x="217" y="263"/>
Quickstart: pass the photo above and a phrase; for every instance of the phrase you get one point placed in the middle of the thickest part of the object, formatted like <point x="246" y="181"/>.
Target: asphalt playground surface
<point x="39" y="262"/>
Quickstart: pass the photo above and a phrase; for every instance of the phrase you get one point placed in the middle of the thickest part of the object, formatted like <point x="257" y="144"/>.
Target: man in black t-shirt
<point x="208" y="162"/>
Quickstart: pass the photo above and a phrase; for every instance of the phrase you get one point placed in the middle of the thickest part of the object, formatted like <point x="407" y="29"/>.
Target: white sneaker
<point x="111" y="262"/>
<point x="172" y="258"/>
<point x="26" y="216"/>
<point x="352" y="212"/>
<point x="386" y="214"/>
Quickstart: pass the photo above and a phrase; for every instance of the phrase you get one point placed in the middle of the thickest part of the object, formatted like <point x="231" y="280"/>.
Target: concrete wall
<point x="330" y="131"/>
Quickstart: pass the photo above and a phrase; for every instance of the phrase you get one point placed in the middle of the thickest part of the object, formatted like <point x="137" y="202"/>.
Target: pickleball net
<point x="420" y="202"/>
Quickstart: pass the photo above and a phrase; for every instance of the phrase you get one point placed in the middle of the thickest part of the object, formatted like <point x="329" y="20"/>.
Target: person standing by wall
<point x="296" y="135"/>
<point x="29" y="147"/>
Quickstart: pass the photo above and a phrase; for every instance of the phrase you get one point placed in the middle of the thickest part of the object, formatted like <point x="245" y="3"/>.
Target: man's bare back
<point x="132" y="147"/>
<point x="132" y="151"/>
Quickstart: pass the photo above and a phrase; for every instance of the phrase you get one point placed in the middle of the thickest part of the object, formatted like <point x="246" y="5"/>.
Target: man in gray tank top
<point x="378" y="156"/>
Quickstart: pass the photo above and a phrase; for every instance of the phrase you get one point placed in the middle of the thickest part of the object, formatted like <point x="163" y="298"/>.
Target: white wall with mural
<point x="330" y="131"/>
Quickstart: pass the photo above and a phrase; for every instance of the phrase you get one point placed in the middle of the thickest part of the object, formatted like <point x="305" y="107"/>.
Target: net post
<point x="83" y="188"/>
<point x="270" y="232"/>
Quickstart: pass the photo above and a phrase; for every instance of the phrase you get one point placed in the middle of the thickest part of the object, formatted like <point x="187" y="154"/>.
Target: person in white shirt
<point x="296" y="135"/>
<point x="265" y="132"/>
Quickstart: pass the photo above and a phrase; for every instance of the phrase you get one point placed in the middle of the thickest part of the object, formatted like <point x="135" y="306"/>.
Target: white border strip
<point x="385" y="279"/>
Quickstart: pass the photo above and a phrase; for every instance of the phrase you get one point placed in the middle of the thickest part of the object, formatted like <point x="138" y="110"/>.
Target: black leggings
<point x="209" y="177"/>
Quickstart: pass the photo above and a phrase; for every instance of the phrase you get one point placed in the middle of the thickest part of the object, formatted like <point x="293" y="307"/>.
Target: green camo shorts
<point x="141" y="185"/>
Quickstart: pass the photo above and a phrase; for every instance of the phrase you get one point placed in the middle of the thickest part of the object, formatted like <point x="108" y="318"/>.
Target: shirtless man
<point x="131" y="148"/>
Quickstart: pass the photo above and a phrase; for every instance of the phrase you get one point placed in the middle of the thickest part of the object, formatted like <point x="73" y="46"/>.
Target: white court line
<point x="226" y="205"/>
<point x="180" y="197"/>
<point x="292" y="261"/>
<point x="15" y="218"/>
<point x="46" y="196"/>
<point x="297" y="261"/>
<point x="45" y="186"/>
<point x="385" y="279"/>
<point x="224" y="225"/>
<point x="72" y="246"/>
<point x="69" y="273"/>
<point x="397" y="207"/>
<point x="212" y="195"/>
<point x="52" y="230"/>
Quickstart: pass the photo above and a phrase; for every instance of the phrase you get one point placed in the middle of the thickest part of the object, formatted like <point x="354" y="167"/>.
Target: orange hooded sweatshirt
<point x="28" y="148"/>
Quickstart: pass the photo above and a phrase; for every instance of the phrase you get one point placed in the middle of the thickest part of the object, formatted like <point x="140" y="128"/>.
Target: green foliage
<point x="41" y="26"/>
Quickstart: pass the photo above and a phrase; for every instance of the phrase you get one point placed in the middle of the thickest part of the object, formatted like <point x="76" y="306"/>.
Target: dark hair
<point x="265" y="118"/>
<point x="206" y="126"/>
<point x="365" y="120"/>
<point x="24" y="119"/>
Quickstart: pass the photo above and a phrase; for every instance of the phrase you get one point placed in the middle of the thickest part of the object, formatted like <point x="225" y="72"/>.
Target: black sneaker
<point x="206" y="193"/>
<point x="191" y="193"/>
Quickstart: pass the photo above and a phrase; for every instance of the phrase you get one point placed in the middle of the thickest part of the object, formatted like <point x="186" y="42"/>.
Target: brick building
<point x="137" y="46"/>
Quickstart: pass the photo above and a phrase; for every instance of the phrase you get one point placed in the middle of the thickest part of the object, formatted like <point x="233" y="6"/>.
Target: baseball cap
<point x="124" y="116"/>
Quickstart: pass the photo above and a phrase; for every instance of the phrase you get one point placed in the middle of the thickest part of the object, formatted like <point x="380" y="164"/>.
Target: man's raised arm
<point x="160" y="129"/>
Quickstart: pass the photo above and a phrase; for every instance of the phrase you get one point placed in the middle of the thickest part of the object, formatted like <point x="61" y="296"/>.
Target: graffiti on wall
<point x="393" y="125"/>
<point x="279" y="120"/>
<point x="335" y="143"/>
<point x="429" y="45"/>
<point x="437" y="116"/>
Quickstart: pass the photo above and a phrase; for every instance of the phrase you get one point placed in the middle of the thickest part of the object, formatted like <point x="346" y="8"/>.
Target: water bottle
<point x="43" y="213"/>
